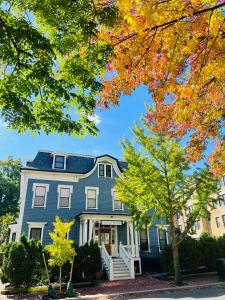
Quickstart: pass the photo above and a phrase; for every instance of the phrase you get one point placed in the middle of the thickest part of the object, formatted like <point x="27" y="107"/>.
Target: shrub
<point x="196" y="254"/>
<point x="22" y="263"/>
<point x="87" y="262"/>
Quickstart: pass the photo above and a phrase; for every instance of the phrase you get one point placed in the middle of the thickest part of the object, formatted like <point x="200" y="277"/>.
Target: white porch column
<point x="136" y="242"/>
<point x="128" y="234"/>
<point x="132" y="237"/>
<point x="90" y="230"/>
<point x="81" y="234"/>
<point x="85" y="232"/>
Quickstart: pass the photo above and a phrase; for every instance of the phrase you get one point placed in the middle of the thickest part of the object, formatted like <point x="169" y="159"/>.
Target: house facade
<point x="215" y="224"/>
<point x="81" y="188"/>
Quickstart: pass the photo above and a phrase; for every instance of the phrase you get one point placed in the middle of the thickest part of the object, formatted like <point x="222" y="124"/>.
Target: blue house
<point x="81" y="188"/>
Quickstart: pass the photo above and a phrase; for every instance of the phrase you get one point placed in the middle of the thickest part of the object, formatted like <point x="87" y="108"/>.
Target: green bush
<point x="195" y="254"/>
<point x="22" y="263"/>
<point x="87" y="262"/>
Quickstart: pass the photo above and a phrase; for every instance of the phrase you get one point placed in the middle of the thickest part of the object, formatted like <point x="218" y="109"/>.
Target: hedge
<point x="196" y="255"/>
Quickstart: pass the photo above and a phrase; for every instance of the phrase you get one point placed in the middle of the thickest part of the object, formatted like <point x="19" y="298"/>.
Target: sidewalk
<point x="142" y="285"/>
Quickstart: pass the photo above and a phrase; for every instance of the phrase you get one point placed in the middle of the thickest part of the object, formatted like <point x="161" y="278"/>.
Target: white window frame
<point x="105" y="164"/>
<point x="113" y="208"/>
<point x="53" y="164"/>
<point x="111" y="170"/>
<point x="40" y="225"/>
<point x="97" y="193"/>
<point x="70" y="187"/>
<point x="167" y="238"/>
<point x="35" y="185"/>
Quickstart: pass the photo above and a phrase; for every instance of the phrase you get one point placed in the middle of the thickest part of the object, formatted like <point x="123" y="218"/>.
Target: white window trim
<point x="105" y="164"/>
<point x="111" y="170"/>
<point x="34" y="188"/>
<point x="97" y="193"/>
<point x="53" y="164"/>
<point x="70" y="187"/>
<point x="167" y="238"/>
<point x="36" y="225"/>
<point x="119" y="209"/>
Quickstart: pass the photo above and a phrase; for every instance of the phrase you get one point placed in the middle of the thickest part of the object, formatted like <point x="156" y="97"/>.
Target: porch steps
<point x="120" y="269"/>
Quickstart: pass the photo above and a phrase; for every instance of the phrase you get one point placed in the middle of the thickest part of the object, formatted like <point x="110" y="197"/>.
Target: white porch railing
<point x="133" y="250"/>
<point x="107" y="262"/>
<point x="127" y="258"/>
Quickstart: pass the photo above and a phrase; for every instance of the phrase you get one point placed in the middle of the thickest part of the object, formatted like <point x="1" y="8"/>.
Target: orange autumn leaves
<point x="177" y="49"/>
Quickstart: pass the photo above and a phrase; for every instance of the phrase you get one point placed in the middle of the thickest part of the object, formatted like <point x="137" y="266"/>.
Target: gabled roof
<point x="79" y="164"/>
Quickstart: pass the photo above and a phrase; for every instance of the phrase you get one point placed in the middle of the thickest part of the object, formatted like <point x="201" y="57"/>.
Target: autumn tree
<point x="50" y="63"/>
<point x="161" y="180"/>
<point x="61" y="250"/>
<point x="177" y="50"/>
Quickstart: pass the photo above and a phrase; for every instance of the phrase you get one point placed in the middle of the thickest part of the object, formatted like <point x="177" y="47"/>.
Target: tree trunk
<point x="60" y="279"/>
<point x="175" y="252"/>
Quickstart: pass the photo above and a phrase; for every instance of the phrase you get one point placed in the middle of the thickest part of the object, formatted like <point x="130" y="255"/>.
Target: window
<point x="35" y="233"/>
<point x="13" y="236"/>
<point x="108" y="171"/>
<point x="101" y="170"/>
<point x="218" y="223"/>
<point x="144" y="240"/>
<point x="222" y="200"/>
<point x="36" y="230"/>
<point x="64" y="200"/>
<point x="40" y="195"/>
<point x="117" y="204"/>
<point x="180" y="228"/>
<point x="190" y="209"/>
<point x="178" y="215"/>
<point x="223" y="217"/>
<point x="224" y="180"/>
<point x="59" y="162"/>
<point x="196" y="226"/>
<point x="162" y="236"/>
<point x="91" y="198"/>
<point x="105" y="170"/>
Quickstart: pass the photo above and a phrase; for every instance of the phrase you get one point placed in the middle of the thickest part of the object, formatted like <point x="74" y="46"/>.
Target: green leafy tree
<point x="160" y="179"/>
<point x="50" y="63"/>
<point x="9" y="185"/>
<point x="5" y="221"/>
<point x="61" y="250"/>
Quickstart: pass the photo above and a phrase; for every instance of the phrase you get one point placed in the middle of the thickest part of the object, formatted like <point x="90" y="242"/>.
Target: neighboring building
<point x="215" y="225"/>
<point x="81" y="188"/>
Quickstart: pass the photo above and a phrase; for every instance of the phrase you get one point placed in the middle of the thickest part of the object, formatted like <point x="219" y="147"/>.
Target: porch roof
<point x="104" y="216"/>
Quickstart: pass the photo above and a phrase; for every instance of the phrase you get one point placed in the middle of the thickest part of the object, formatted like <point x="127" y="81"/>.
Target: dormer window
<point x="105" y="170"/>
<point x="59" y="162"/>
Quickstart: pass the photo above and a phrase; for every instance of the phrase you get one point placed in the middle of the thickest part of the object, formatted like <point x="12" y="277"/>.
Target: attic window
<point x="59" y="162"/>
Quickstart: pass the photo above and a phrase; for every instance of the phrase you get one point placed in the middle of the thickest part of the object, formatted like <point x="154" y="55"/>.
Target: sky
<point x="113" y="125"/>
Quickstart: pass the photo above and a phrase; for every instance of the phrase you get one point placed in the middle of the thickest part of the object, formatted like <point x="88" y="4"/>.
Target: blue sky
<point x="113" y="126"/>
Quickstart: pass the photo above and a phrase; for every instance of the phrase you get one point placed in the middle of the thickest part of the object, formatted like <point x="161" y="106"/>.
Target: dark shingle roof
<point x="80" y="164"/>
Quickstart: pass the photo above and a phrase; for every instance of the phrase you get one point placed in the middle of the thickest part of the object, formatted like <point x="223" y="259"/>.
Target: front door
<point x="105" y="238"/>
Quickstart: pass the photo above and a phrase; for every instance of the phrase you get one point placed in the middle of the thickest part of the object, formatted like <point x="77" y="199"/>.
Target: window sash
<point x="39" y="197"/>
<point x="64" y="202"/>
<point x="35" y="233"/>
<point x="101" y="170"/>
<point x="59" y="162"/>
<point x="91" y="203"/>
<point x="108" y="170"/>
<point x="162" y="239"/>
<point x="91" y="198"/>
<point x="217" y="222"/>
<point x="118" y="204"/>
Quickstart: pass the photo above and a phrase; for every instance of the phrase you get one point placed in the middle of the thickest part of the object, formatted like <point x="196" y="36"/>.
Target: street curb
<point x="122" y="295"/>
